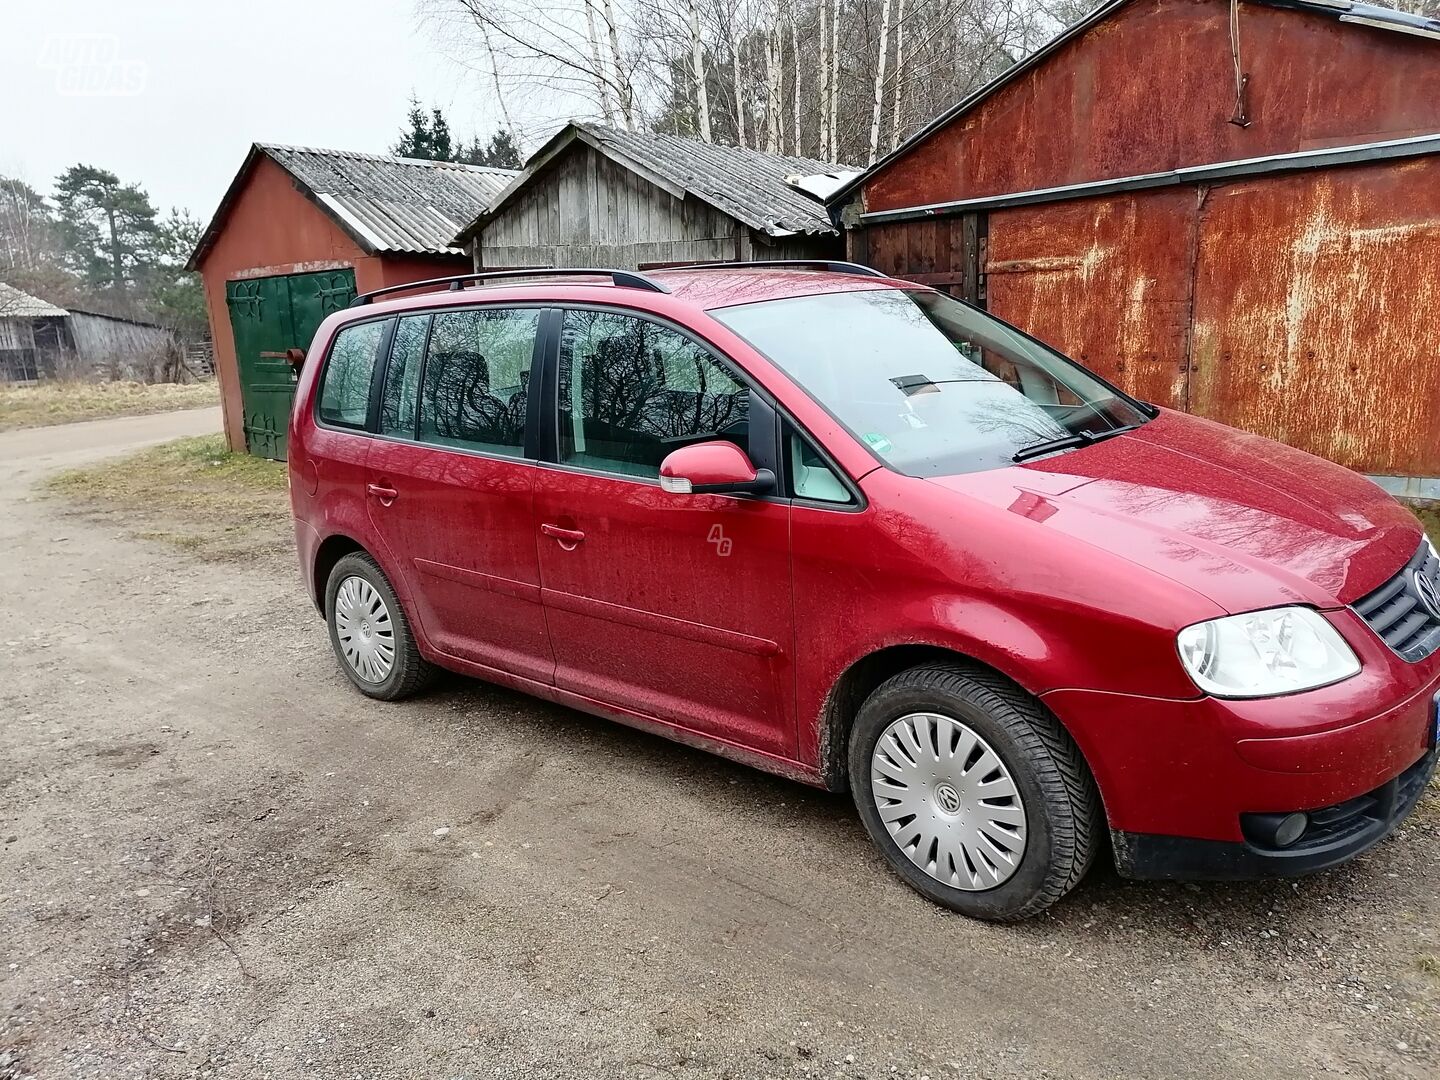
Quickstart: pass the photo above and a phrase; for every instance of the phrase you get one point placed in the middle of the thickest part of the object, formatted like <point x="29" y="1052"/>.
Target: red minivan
<point x="848" y="529"/>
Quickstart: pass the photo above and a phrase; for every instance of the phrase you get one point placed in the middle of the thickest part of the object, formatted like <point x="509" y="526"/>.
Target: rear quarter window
<point x="345" y="382"/>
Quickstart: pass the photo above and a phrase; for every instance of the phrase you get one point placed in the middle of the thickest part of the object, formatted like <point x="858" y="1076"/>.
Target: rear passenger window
<point x="345" y="389"/>
<point x="631" y="391"/>
<point x="477" y="378"/>
<point x="402" y="377"/>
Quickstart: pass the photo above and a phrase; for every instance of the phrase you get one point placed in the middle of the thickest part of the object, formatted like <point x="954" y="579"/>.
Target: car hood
<point x="1247" y="522"/>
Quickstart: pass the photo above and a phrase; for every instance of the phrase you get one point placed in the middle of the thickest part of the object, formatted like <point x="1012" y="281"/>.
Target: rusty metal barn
<point x="1229" y="208"/>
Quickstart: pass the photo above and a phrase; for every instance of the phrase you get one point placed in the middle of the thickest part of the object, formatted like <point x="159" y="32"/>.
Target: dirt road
<point x="219" y="860"/>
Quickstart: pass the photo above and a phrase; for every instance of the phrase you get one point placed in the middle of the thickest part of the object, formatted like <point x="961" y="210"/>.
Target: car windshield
<point x="931" y="385"/>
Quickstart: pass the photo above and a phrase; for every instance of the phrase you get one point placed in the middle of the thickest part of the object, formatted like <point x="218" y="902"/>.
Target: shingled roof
<point x="385" y="204"/>
<point x="749" y="185"/>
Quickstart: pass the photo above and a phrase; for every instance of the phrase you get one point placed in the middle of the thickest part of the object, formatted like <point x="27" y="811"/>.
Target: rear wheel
<point x="370" y="633"/>
<point x="973" y="792"/>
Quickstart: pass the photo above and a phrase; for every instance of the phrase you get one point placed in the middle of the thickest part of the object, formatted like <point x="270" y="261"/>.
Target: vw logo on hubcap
<point x="1429" y="595"/>
<point x="948" y="799"/>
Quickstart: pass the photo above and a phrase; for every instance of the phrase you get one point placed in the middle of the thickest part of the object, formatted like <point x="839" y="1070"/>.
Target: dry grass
<point x="192" y="494"/>
<point x="66" y="402"/>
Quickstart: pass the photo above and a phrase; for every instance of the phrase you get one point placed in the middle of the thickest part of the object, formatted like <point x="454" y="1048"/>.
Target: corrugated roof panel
<point x="749" y="185"/>
<point x="394" y="204"/>
<point x="15" y="304"/>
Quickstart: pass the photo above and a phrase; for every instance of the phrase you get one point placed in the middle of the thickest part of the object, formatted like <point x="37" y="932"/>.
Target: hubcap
<point x="948" y="801"/>
<point x="362" y="625"/>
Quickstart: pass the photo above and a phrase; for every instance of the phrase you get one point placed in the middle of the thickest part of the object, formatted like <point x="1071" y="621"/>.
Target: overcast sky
<point x="171" y="94"/>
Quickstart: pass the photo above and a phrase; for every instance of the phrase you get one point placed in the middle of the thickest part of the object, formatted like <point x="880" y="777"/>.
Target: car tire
<point x="387" y="663"/>
<point x="1005" y="877"/>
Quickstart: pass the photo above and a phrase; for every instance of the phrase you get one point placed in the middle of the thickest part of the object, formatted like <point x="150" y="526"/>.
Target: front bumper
<point x="1337" y="834"/>
<point x="1176" y="777"/>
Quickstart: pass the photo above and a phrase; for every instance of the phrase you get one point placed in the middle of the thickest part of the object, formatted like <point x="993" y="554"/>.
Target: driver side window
<point x="632" y="391"/>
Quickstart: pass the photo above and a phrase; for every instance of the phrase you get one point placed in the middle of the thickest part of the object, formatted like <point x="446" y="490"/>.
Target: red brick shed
<point x="297" y="234"/>
<point x="1230" y="208"/>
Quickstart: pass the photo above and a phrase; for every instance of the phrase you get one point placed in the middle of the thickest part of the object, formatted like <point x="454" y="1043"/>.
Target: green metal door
<point x="267" y="316"/>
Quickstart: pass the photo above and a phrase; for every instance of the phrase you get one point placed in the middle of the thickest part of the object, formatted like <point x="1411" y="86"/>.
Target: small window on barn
<point x="477" y="378"/>
<point x="402" y="377"/>
<point x="345" y="392"/>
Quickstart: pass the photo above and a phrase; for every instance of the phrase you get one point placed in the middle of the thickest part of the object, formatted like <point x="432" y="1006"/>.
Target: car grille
<point x="1397" y="613"/>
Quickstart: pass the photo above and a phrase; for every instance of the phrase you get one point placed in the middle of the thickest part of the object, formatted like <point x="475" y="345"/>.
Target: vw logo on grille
<point x="1428" y="593"/>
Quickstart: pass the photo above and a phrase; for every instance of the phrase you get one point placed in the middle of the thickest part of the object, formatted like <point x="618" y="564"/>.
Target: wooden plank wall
<point x="588" y="211"/>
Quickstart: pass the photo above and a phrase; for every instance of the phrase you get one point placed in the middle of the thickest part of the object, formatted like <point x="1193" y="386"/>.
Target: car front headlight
<point x="1264" y="653"/>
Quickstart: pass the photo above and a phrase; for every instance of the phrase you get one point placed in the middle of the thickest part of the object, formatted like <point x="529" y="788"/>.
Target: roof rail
<point x="829" y="265"/>
<point x="626" y="278"/>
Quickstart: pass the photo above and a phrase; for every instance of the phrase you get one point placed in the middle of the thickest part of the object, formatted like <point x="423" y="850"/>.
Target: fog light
<point x="1276" y="830"/>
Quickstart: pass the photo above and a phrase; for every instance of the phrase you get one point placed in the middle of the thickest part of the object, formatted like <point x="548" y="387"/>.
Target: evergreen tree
<point x="108" y="229"/>
<point x="415" y="137"/>
<point x="441" y="148"/>
<point x="502" y="153"/>
<point x="176" y="296"/>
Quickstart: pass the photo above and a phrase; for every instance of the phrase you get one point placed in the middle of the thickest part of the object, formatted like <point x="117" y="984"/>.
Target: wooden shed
<point x="1226" y="207"/>
<point x="296" y="235"/>
<point x="596" y="196"/>
<point x="39" y="340"/>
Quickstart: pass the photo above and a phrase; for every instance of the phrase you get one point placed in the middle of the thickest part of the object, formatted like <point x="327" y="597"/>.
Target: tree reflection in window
<point x="345" y="391"/>
<point x="477" y="377"/>
<point x="631" y="391"/>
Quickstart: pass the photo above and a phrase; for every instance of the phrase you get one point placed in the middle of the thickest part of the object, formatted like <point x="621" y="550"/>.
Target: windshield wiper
<point x="1069" y="442"/>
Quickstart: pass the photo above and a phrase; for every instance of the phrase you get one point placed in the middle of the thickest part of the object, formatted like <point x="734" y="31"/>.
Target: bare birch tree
<point x="697" y="65"/>
<point x="717" y="70"/>
<point x="879" y="97"/>
<point x="899" y="92"/>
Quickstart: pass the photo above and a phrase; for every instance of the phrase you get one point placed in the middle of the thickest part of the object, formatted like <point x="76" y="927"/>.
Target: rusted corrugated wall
<point x="1302" y="306"/>
<point x="1305" y="308"/>
<point x="1317" y="314"/>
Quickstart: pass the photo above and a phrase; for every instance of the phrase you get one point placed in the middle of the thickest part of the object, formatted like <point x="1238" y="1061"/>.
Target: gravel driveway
<point x="219" y="860"/>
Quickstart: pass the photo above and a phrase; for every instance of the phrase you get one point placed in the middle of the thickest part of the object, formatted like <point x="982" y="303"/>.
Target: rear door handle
<point x="386" y="495"/>
<point x="565" y="536"/>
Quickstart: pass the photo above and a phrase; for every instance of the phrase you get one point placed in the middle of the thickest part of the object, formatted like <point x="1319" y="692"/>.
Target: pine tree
<point x="108" y="229"/>
<point x="502" y="153"/>
<point x="441" y="148"/>
<point x="416" y="137"/>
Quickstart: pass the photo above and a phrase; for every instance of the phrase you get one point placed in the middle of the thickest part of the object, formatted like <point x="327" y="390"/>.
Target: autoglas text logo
<point x="91" y="65"/>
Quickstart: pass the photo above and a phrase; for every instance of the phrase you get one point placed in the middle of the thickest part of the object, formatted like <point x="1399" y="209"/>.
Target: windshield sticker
<point x="877" y="442"/>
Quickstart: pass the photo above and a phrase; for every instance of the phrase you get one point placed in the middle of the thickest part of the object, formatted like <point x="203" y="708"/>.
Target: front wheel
<point x="369" y="632"/>
<point x="973" y="792"/>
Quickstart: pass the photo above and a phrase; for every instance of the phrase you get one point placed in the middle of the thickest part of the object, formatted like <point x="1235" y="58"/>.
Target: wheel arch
<point x="858" y="681"/>
<point x="331" y="550"/>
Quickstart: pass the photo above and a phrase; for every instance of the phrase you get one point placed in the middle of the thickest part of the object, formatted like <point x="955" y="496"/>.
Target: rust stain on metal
<point x="1104" y="280"/>
<point x="1316" y="302"/>
<point x="1150" y="89"/>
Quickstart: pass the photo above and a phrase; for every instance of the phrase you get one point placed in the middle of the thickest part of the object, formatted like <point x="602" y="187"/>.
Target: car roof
<point x="725" y="287"/>
<point x="696" y="287"/>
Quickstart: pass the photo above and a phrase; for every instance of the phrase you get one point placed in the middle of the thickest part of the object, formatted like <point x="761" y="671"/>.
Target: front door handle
<point x="386" y="495"/>
<point x="568" y="537"/>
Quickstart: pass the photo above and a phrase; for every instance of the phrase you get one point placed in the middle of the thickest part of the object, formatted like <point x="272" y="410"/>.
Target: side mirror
<point x="713" y="468"/>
